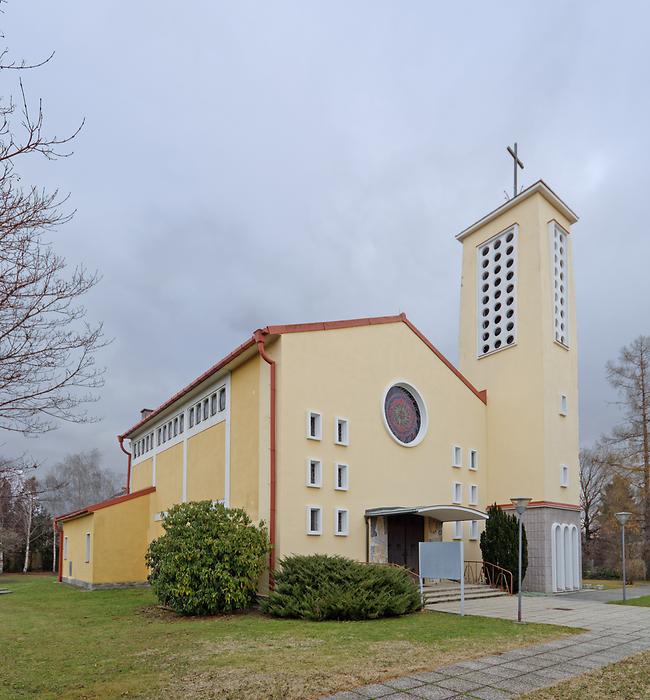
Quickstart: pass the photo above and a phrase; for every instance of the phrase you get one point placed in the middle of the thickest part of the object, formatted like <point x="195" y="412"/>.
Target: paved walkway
<point x="615" y="632"/>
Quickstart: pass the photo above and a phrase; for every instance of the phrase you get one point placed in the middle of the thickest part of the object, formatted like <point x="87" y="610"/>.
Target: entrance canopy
<point x="443" y="513"/>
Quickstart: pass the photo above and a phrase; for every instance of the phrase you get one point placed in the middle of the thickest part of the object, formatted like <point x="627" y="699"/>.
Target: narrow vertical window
<point x="457" y="492"/>
<point x="197" y="412"/>
<point x="191" y="418"/>
<point x="87" y="558"/>
<point x="564" y="475"/>
<point x="314" y="472"/>
<point x="560" y="266"/>
<point x="213" y="404"/>
<point x="65" y="547"/>
<point x="314" y="520"/>
<point x="159" y="436"/>
<point x="146" y="444"/>
<point x="473" y="460"/>
<point x="206" y="409"/>
<point x="165" y="433"/>
<point x="341" y="479"/>
<point x="564" y="404"/>
<point x="341" y="428"/>
<point x="473" y="530"/>
<point x="341" y="522"/>
<point x="458" y="530"/>
<point x="473" y="495"/>
<point x="175" y="427"/>
<point x="314" y="429"/>
<point x="456" y="456"/>
<point x="222" y="399"/>
<point x="181" y="423"/>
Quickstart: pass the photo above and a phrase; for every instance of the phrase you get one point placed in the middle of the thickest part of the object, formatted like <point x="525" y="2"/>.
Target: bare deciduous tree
<point x="594" y="476"/>
<point x="47" y="349"/>
<point x="630" y="376"/>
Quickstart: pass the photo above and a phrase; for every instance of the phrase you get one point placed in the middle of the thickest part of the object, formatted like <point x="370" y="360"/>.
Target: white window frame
<point x="319" y="425"/>
<point x="564" y="476"/>
<point x="456" y="456"/>
<point x="472" y="462"/>
<point x="310" y="510"/>
<point x="456" y="492"/>
<point x="458" y="530"/>
<point x="346" y="530"/>
<point x="345" y="423"/>
<point x="473" y="494"/>
<point x="564" y="405"/>
<point x="87" y="548"/>
<point x="345" y="469"/>
<point x="65" y="547"/>
<point x="473" y="530"/>
<point x="319" y="481"/>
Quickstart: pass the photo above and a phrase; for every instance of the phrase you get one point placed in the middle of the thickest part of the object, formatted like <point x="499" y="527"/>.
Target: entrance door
<point x="405" y="532"/>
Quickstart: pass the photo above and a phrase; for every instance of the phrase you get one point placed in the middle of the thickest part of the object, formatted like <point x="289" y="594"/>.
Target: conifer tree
<point x="500" y="543"/>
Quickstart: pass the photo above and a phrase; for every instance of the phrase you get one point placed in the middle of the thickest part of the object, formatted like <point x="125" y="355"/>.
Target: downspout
<point x="260" y="339"/>
<point x="120" y="439"/>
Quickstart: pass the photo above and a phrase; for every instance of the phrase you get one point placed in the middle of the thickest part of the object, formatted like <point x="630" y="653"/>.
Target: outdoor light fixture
<point x="622" y="518"/>
<point x="520" y="506"/>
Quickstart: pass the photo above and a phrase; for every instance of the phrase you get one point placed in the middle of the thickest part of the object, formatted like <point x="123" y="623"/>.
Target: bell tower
<point x="518" y="341"/>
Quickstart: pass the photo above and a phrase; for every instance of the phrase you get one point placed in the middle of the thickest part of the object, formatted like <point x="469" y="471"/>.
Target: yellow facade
<point x="343" y="371"/>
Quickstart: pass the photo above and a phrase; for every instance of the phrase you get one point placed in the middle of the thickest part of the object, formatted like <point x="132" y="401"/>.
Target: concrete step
<point x="450" y="594"/>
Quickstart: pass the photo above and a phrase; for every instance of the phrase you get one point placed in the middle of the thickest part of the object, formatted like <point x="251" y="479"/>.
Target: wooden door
<point x="405" y="532"/>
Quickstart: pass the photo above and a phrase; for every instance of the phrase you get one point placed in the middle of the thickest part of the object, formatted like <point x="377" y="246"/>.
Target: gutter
<point x="260" y="338"/>
<point x="120" y="439"/>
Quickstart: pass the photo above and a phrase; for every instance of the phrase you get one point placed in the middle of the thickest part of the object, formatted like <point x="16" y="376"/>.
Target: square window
<point x="458" y="530"/>
<point x="314" y="473"/>
<point x="341" y="522"/>
<point x="341" y="431"/>
<point x="213" y="404"/>
<point x="473" y="495"/>
<point x="87" y="553"/>
<point x="564" y="475"/>
<point x="473" y="460"/>
<point x="456" y="456"/>
<point x="457" y="492"/>
<point x="222" y="399"/>
<point x="341" y="478"/>
<point x="314" y="520"/>
<point x="191" y="418"/>
<point x="473" y="530"/>
<point x="564" y="404"/>
<point x="314" y="425"/>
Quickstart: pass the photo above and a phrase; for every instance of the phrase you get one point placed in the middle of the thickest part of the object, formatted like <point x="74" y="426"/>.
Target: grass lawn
<point x="59" y="642"/>
<point x="642" y="602"/>
<point x="624" y="680"/>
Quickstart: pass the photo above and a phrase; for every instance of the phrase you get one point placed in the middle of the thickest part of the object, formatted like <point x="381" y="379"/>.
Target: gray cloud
<point x="252" y="163"/>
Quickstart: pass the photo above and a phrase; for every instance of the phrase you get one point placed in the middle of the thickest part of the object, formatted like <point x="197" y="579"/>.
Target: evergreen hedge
<point x="208" y="560"/>
<point x="500" y="543"/>
<point x="323" y="587"/>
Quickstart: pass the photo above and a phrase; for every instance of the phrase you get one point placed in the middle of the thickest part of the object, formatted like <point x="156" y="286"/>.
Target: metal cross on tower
<point x="517" y="163"/>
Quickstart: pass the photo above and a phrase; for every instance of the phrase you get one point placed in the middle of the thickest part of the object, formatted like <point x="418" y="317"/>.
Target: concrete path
<point x="609" y="594"/>
<point x="615" y="632"/>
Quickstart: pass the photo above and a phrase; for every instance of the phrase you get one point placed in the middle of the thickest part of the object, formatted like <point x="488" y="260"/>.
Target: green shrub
<point x="500" y="543"/>
<point x="322" y="587"/>
<point x="208" y="560"/>
<point x="603" y="573"/>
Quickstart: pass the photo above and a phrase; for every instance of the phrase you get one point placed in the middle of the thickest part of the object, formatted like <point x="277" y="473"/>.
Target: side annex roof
<point x="304" y="328"/>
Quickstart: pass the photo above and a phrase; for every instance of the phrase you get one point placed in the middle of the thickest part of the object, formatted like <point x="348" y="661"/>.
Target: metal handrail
<point x="491" y="574"/>
<point x="414" y="576"/>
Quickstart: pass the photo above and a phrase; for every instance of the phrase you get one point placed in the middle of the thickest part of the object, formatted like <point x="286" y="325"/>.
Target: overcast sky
<point x="248" y="163"/>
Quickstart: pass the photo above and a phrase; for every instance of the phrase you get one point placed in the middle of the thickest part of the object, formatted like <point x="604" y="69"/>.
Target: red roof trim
<point x="482" y="394"/>
<point x="543" y="504"/>
<point x="105" y="504"/>
<point x="306" y="328"/>
<point x="208" y="373"/>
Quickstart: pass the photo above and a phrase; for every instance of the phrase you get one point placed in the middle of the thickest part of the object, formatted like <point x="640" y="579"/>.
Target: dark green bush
<point x="500" y="543"/>
<point x="208" y="560"/>
<point x="322" y="587"/>
<point x="603" y="573"/>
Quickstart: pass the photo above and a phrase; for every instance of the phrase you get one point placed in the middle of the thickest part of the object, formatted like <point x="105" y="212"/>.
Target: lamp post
<point x="520" y="506"/>
<point x="622" y="519"/>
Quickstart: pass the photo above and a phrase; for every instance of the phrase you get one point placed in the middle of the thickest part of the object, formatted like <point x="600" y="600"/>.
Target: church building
<point x="360" y="438"/>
